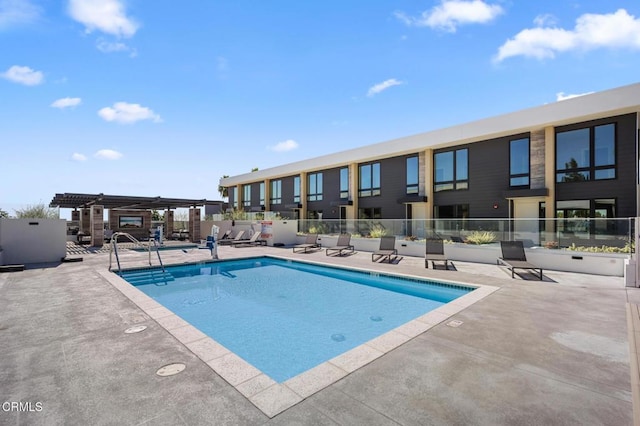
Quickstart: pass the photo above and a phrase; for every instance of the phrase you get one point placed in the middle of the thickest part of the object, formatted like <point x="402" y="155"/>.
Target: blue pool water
<point x="286" y="317"/>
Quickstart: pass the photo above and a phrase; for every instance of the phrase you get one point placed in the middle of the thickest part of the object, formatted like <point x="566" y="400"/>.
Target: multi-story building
<point x="573" y="158"/>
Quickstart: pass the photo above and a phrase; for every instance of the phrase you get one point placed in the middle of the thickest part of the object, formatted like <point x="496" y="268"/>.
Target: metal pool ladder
<point x="114" y="248"/>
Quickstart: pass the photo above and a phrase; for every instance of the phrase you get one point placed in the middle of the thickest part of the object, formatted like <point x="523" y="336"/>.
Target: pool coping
<point x="263" y="392"/>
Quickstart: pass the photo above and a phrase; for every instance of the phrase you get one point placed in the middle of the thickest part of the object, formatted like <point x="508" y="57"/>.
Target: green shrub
<point x="377" y="231"/>
<point x="480" y="237"/>
<point x="602" y="249"/>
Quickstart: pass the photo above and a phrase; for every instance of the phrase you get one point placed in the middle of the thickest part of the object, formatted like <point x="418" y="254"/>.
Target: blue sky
<point x="162" y="98"/>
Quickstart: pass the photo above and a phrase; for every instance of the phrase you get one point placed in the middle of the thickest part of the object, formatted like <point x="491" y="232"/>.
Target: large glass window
<point x="370" y="213"/>
<point x="586" y="154"/>
<point x="276" y="192"/>
<point x="519" y="163"/>
<point x="296" y="189"/>
<point x="454" y="211"/>
<point x="369" y="180"/>
<point x="246" y="196"/>
<point x="314" y="192"/>
<point x="412" y="175"/>
<point x="234" y="196"/>
<point x="344" y="183"/>
<point x="262" y="193"/>
<point x="451" y="170"/>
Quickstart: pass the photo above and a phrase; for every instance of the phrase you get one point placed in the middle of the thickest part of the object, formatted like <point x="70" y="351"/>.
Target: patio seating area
<point x="531" y="337"/>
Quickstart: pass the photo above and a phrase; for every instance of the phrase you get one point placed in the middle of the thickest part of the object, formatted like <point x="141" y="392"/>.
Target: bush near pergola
<point x="38" y="211"/>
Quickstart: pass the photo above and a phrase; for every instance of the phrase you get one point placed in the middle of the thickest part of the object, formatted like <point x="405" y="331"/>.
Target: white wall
<point x="282" y="231"/>
<point x="25" y="241"/>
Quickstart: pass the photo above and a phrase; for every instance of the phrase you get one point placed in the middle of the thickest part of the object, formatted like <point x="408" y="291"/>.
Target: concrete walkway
<point x="532" y="353"/>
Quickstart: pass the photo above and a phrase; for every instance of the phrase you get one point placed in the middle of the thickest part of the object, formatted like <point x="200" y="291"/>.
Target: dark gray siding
<point x="488" y="179"/>
<point x="329" y="206"/>
<point x="623" y="187"/>
<point x="285" y="209"/>
<point x="255" y="197"/>
<point x="393" y="187"/>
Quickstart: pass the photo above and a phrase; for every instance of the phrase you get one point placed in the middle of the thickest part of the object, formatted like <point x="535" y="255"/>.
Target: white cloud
<point x="107" y="16"/>
<point x="452" y="13"/>
<point x="283" y="146"/>
<point x="66" y="103"/>
<point x="123" y="112"/>
<point x="18" y="12"/>
<point x="377" y="88"/>
<point x="545" y="20"/>
<point x="108" y="154"/>
<point x="592" y="31"/>
<point x="560" y="96"/>
<point x="111" y="47"/>
<point x="78" y="157"/>
<point x="23" y="75"/>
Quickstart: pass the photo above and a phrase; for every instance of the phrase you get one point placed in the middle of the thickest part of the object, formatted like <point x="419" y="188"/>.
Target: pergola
<point x="82" y="201"/>
<point x="92" y="208"/>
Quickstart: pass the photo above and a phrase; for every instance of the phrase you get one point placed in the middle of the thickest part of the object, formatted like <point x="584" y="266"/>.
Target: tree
<point x="223" y="190"/>
<point x="573" y="176"/>
<point x="3" y="213"/>
<point x="255" y="169"/>
<point x="155" y="215"/>
<point x="39" y="211"/>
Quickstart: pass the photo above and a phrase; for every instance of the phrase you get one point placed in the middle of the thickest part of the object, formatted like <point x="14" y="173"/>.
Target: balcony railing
<point x="550" y="233"/>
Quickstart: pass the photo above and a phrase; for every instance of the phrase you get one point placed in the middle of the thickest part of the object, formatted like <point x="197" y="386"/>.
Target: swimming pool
<point x="286" y="317"/>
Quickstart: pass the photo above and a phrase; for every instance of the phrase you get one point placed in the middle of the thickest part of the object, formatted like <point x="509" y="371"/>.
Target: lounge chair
<point x="253" y="241"/>
<point x="387" y="249"/>
<point x="514" y="257"/>
<point x="343" y="245"/>
<point x="229" y="241"/>
<point x="434" y="252"/>
<point x="310" y="243"/>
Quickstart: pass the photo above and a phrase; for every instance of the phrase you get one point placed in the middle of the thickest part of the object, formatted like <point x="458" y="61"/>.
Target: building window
<point x="370" y="213"/>
<point x="276" y="191"/>
<point x="455" y="211"/>
<point x="586" y="154"/>
<point x="344" y="183"/>
<point x="246" y="198"/>
<point x="262" y="193"/>
<point x="296" y="189"/>
<point x="412" y="175"/>
<point x="574" y="215"/>
<point x="451" y="170"/>
<point x="234" y="196"/>
<point x="519" y="163"/>
<point x="314" y="192"/>
<point x="369" y="180"/>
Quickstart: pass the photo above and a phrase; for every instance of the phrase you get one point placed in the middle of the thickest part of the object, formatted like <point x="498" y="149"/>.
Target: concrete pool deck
<point x="551" y="352"/>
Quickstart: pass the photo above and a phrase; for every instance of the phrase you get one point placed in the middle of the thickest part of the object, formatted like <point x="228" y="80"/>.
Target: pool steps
<point x="148" y="277"/>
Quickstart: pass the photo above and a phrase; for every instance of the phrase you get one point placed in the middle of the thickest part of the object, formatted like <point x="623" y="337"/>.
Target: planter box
<point x="611" y="264"/>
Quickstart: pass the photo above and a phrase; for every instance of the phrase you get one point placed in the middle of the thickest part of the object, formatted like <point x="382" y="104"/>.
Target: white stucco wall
<point x="25" y="241"/>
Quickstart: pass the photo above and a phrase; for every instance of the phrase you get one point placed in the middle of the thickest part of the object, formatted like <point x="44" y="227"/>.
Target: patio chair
<point x="310" y="243"/>
<point x="514" y="257"/>
<point x="229" y="241"/>
<point x="253" y="241"/>
<point x="434" y="252"/>
<point x="387" y="249"/>
<point x="343" y="245"/>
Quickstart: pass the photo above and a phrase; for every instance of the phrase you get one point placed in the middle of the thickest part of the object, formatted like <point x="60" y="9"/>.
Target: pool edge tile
<point x="316" y="379"/>
<point x="275" y="399"/>
<point x="255" y="385"/>
<point x="207" y="349"/>
<point x="233" y="369"/>
<point x="355" y="358"/>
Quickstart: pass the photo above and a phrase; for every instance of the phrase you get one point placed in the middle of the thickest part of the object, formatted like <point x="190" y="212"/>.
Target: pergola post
<point x="97" y="226"/>
<point x="194" y="225"/>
